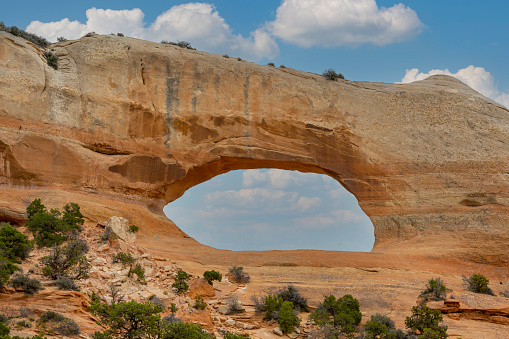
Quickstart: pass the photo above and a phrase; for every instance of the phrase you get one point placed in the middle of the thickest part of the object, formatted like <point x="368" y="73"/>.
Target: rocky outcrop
<point x="128" y="119"/>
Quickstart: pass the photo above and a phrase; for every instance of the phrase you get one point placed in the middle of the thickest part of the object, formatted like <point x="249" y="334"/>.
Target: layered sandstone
<point x="135" y="121"/>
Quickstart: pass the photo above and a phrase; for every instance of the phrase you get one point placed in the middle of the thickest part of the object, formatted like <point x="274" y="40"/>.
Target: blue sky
<point x="366" y="40"/>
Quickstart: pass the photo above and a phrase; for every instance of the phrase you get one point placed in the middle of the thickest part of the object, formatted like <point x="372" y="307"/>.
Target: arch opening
<point x="273" y="209"/>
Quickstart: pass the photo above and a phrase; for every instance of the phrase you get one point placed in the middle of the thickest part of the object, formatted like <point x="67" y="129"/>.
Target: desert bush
<point x="108" y="234"/>
<point x="291" y="293"/>
<point x="139" y="271"/>
<point x="35" y="39"/>
<point x="183" y="44"/>
<point x="271" y="64"/>
<point x="379" y="326"/>
<point x="199" y="303"/>
<point x="14" y="245"/>
<point x="271" y="306"/>
<point x="67" y="261"/>
<point x="435" y="290"/>
<point x="238" y="274"/>
<point x="115" y="294"/>
<point x="181" y="330"/>
<point x="282" y="66"/>
<point x="180" y="285"/>
<point x="325" y="331"/>
<point x="478" y="283"/>
<point x="344" y="311"/>
<point x="210" y="276"/>
<point x="61" y="39"/>
<point x="172" y="319"/>
<point x="7" y="268"/>
<point x="154" y="299"/>
<point x="330" y="74"/>
<point x="134" y="228"/>
<point x="173" y="308"/>
<point x="4" y="330"/>
<point x="120" y="34"/>
<point x="505" y="294"/>
<point x="28" y="285"/>
<point x="4" y="318"/>
<point x="226" y="56"/>
<point x="67" y="284"/>
<point x="51" y="59"/>
<point x="424" y="319"/>
<point x="53" y="227"/>
<point x="67" y="327"/>
<point x="51" y="316"/>
<point x="239" y="59"/>
<point x="233" y="304"/>
<point x="127" y="319"/>
<point x="287" y="320"/>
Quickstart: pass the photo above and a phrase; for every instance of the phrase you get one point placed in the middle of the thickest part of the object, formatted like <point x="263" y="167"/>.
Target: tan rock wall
<point x="128" y="118"/>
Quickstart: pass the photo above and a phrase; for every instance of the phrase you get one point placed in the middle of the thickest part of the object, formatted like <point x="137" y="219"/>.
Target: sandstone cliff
<point x="131" y="121"/>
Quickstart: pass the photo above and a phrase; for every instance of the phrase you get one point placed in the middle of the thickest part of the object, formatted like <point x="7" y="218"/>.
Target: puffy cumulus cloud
<point x="331" y="23"/>
<point x="280" y="178"/>
<point x="251" y="198"/>
<point x="347" y="216"/>
<point x="305" y="203"/>
<point x="198" y="23"/>
<point x="476" y="77"/>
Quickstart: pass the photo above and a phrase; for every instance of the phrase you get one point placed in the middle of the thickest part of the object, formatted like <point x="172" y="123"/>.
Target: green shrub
<point x="226" y="56"/>
<point x="271" y="64"/>
<point x="28" y="285"/>
<point x="271" y="306"/>
<point x="291" y="293"/>
<point x="51" y="316"/>
<point x="108" y="234"/>
<point x="67" y="261"/>
<point x="199" y="303"/>
<point x="127" y="319"/>
<point x="210" y="276"/>
<point x="173" y="308"/>
<point x="67" y="284"/>
<point x="134" y="228"/>
<point x="3" y="318"/>
<point x="53" y="227"/>
<point x="181" y="330"/>
<point x="379" y="326"/>
<point x="287" y="320"/>
<point x="67" y="327"/>
<point x="330" y="74"/>
<point x="4" y="330"/>
<point x="51" y="59"/>
<point x="14" y="245"/>
<point x="180" y="285"/>
<point x="35" y="39"/>
<point x="238" y="274"/>
<point x="239" y="59"/>
<point x="154" y="299"/>
<point x="7" y="268"/>
<point x="435" y="290"/>
<point x="282" y="66"/>
<point x="61" y="39"/>
<point x="478" y="283"/>
<point x="120" y="34"/>
<point x="59" y="323"/>
<point x="344" y="311"/>
<point x="139" y="271"/>
<point x="325" y="331"/>
<point x="424" y="318"/>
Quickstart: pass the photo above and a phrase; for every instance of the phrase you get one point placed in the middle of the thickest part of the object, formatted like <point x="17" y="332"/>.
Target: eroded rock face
<point x="128" y="118"/>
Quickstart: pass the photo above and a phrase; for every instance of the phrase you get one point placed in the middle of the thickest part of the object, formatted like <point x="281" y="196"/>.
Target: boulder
<point x="120" y="227"/>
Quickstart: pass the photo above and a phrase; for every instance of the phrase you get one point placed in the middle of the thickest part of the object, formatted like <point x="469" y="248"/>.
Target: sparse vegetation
<point x="288" y="319"/>
<point x="426" y="322"/>
<point x="239" y="59"/>
<point x="271" y="304"/>
<point x="35" y="39"/>
<point x="180" y="285"/>
<point x="210" y="276"/>
<point x="28" y="285"/>
<point x="173" y="308"/>
<point x="127" y="260"/>
<point x="282" y="66"/>
<point x="6" y="269"/>
<point x="238" y="275"/>
<point x="67" y="261"/>
<point x="382" y="327"/>
<point x="53" y="227"/>
<point x="330" y="74"/>
<point x="233" y="336"/>
<point x="141" y="320"/>
<point x="233" y="304"/>
<point x="120" y="34"/>
<point x="505" y="294"/>
<point x="134" y="228"/>
<point x="226" y="56"/>
<point x="183" y="44"/>
<point x="66" y="284"/>
<point x="325" y="331"/>
<point x="61" y="39"/>
<point x="343" y="313"/>
<point x="51" y="59"/>
<point x="435" y="290"/>
<point x="199" y="303"/>
<point x="14" y="245"/>
<point x="58" y="323"/>
<point x="478" y="283"/>
<point x="108" y="234"/>
<point x="271" y="64"/>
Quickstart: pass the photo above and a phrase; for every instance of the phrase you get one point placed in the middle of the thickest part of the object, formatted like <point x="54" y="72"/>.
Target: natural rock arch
<point x="128" y="118"/>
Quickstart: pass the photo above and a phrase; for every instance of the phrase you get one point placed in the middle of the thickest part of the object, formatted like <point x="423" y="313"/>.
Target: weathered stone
<point x="120" y="227"/>
<point x="423" y="159"/>
<point x="229" y="322"/>
<point x="103" y="248"/>
<point x="278" y="331"/>
<point x="223" y="309"/>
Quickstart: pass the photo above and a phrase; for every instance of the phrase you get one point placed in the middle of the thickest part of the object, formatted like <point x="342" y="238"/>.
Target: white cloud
<point x="476" y="77"/>
<point x="280" y="179"/>
<point x="347" y="216"/>
<point x="305" y="203"/>
<point x="331" y="23"/>
<point x="315" y="222"/>
<point x="198" y="23"/>
<point x="251" y="198"/>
